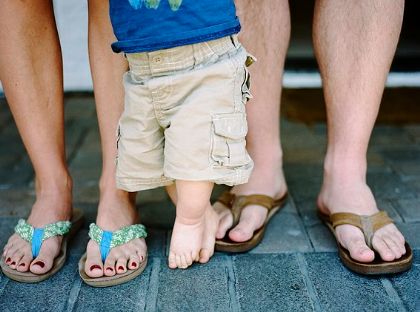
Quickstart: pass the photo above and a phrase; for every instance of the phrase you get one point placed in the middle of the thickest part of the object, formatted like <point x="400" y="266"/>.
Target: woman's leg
<point x="116" y="207"/>
<point x="31" y="74"/>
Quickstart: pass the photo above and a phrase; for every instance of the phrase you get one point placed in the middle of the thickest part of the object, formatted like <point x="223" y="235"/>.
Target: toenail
<point x="121" y="268"/>
<point x="22" y="264"/>
<point x="8" y="260"/>
<point x="93" y="267"/>
<point x="134" y="264"/>
<point x="110" y="269"/>
<point x="141" y="257"/>
<point x="41" y="264"/>
<point x="13" y="263"/>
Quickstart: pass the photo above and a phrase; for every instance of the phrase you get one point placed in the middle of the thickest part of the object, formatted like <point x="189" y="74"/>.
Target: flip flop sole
<point x="377" y="266"/>
<point x="106" y="281"/>
<point x="59" y="261"/>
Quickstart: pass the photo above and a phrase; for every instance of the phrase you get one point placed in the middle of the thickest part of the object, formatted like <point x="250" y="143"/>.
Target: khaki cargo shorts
<point x="184" y="116"/>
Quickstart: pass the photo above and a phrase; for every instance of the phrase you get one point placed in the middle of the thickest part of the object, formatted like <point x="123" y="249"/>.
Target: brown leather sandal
<point x="236" y="204"/>
<point x="368" y="225"/>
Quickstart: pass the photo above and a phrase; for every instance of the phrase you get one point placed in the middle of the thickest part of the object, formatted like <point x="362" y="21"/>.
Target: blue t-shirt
<point x="149" y="25"/>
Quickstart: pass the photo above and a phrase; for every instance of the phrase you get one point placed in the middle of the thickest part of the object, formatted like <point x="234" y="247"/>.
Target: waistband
<point x="157" y="63"/>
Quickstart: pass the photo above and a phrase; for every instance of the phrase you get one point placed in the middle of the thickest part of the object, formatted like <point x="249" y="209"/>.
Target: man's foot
<point x="357" y="198"/>
<point x="253" y="216"/>
<point x="211" y="224"/>
<point x="49" y="207"/>
<point x="186" y="242"/>
<point x="116" y="210"/>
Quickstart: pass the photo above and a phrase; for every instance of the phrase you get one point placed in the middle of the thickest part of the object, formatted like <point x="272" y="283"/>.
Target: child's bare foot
<point x="211" y="224"/>
<point x="185" y="242"/>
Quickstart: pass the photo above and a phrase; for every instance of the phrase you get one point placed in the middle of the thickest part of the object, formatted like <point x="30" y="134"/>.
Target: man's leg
<point x="355" y="43"/>
<point x="31" y="74"/>
<point x="116" y="207"/>
<point x="265" y="34"/>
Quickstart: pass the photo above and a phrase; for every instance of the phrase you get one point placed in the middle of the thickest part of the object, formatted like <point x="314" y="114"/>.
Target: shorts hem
<point x="141" y="185"/>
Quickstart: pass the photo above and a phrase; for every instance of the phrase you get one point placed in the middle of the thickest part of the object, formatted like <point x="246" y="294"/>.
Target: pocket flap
<point x="233" y="126"/>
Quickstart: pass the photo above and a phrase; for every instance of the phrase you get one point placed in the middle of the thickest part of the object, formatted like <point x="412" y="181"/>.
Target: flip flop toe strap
<point x="108" y="240"/>
<point x="37" y="236"/>
<point x="243" y="201"/>
<point x="368" y="224"/>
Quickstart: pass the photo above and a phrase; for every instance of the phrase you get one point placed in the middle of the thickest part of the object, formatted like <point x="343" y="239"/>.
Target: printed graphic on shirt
<point x="154" y="4"/>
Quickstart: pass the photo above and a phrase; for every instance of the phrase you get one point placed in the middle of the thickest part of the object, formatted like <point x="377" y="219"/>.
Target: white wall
<point x="71" y="16"/>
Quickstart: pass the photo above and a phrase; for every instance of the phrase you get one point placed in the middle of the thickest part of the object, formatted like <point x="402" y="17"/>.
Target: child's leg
<point x="192" y="200"/>
<point x="211" y="222"/>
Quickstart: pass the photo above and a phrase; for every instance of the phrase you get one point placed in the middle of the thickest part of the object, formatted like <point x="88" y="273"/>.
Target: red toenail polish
<point x="8" y="260"/>
<point x="141" y="257"/>
<point x="41" y="264"/>
<point x="22" y="264"/>
<point x="93" y="267"/>
<point x="134" y="264"/>
<point x="110" y="269"/>
<point x="120" y="268"/>
<point x="13" y="263"/>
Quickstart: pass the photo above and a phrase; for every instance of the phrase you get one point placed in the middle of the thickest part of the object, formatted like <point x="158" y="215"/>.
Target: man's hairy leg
<point x="265" y="34"/>
<point x="354" y="44"/>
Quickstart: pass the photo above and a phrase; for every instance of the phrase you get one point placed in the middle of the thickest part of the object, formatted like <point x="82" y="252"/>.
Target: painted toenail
<point x="41" y="264"/>
<point x="22" y="264"/>
<point x="8" y="260"/>
<point x="93" y="267"/>
<point x="121" y="268"/>
<point x="13" y="263"/>
<point x="141" y="257"/>
<point x="110" y="269"/>
<point x="134" y="264"/>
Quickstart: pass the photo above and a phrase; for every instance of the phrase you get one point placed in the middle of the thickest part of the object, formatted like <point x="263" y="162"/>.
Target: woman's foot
<point x="343" y="195"/>
<point x="253" y="216"/>
<point x="116" y="210"/>
<point x="51" y="205"/>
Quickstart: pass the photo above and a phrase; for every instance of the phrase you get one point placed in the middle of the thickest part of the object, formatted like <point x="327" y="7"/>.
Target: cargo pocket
<point x="228" y="140"/>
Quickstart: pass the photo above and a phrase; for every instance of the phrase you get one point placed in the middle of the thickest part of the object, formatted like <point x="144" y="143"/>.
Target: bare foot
<point x="116" y="210"/>
<point x="356" y="197"/>
<point x="50" y="206"/>
<point x="209" y="236"/>
<point x="253" y="216"/>
<point x="185" y="242"/>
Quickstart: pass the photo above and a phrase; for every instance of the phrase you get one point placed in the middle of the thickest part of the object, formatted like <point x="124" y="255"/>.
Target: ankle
<point x="60" y="185"/>
<point x="108" y="191"/>
<point x="344" y="170"/>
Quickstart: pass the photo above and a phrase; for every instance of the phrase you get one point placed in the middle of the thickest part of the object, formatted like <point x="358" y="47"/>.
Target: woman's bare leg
<point x="31" y="74"/>
<point x="116" y="207"/>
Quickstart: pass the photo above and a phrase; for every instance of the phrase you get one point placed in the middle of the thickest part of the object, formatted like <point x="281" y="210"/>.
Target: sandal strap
<point x="37" y="236"/>
<point x="367" y="224"/>
<point x="243" y="201"/>
<point x="227" y="198"/>
<point x="107" y="240"/>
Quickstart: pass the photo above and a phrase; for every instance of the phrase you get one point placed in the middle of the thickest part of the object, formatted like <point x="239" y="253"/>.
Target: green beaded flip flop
<point x="36" y="237"/>
<point x="107" y="240"/>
